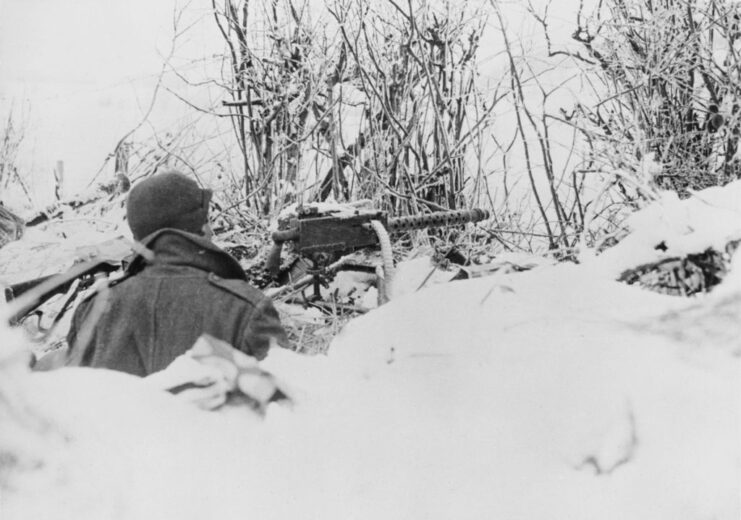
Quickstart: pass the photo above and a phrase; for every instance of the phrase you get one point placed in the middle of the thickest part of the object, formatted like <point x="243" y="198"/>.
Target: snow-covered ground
<point x="554" y="393"/>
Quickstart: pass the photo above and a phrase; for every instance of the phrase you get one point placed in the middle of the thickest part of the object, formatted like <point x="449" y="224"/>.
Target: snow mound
<point x="548" y="384"/>
<point x="670" y="228"/>
<point x="536" y="395"/>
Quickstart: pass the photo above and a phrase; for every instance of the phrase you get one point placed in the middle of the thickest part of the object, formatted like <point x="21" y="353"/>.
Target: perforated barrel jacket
<point x="141" y="324"/>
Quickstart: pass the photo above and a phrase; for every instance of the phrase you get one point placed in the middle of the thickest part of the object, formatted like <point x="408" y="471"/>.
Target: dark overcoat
<point x="190" y="287"/>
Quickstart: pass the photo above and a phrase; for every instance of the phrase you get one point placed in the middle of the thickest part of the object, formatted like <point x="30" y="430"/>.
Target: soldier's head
<point x="168" y="200"/>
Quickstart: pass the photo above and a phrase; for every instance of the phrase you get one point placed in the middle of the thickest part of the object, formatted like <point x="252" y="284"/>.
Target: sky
<point x="80" y="74"/>
<point x="83" y="42"/>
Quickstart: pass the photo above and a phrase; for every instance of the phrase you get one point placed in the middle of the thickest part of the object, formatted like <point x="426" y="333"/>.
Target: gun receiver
<point x="343" y="230"/>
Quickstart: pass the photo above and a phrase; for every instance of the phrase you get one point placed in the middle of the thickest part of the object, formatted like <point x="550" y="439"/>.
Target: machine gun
<point x="319" y="235"/>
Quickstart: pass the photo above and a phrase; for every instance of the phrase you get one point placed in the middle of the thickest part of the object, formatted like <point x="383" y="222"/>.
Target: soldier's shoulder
<point x="239" y="288"/>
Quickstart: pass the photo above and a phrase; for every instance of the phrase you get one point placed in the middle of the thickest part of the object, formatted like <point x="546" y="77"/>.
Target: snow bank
<point x="671" y="228"/>
<point x="533" y="395"/>
<point x="538" y="395"/>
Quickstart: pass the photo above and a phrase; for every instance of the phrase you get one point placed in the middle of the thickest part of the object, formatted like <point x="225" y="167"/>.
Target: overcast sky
<point x="92" y="42"/>
<point x="81" y="72"/>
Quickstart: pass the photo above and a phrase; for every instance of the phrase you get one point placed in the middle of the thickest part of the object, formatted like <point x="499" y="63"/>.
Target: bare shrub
<point x="410" y="68"/>
<point x="11" y="138"/>
<point x="274" y="79"/>
<point x="417" y="67"/>
<point x="667" y="73"/>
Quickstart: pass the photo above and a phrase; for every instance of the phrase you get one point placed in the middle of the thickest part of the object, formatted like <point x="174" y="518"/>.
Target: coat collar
<point x="175" y="247"/>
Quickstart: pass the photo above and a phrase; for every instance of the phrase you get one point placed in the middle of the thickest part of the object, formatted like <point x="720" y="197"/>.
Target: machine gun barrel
<point x="437" y="219"/>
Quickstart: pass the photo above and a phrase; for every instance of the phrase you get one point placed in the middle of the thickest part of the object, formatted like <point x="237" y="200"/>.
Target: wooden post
<point x="122" y="159"/>
<point x="59" y="181"/>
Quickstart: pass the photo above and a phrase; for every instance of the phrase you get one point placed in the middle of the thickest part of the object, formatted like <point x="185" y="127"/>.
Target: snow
<point x="416" y="273"/>
<point x="543" y="371"/>
<point x="552" y="393"/>
<point x="710" y="218"/>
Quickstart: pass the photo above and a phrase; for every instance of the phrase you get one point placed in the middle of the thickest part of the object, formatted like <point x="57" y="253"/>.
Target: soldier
<point x="165" y="302"/>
